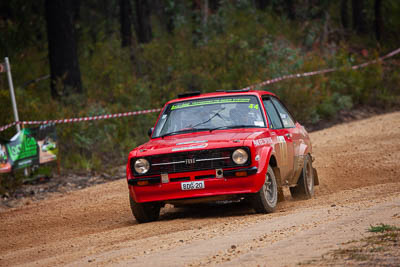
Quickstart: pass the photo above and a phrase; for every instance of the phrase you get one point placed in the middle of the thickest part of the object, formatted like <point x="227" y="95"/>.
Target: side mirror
<point x="150" y="131"/>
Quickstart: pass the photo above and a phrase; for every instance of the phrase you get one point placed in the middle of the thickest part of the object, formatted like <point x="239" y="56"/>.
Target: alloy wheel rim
<point x="308" y="176"/>
<point x="269" y="189"/>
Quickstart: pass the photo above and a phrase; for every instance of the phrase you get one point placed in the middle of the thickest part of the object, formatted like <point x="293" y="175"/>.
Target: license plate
<point x="192" y="185"/>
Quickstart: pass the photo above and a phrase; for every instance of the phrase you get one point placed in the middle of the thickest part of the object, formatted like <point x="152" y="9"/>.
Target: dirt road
<point x="358" y="165"/>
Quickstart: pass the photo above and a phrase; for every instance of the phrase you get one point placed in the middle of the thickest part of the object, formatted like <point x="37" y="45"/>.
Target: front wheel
<point x="265" y="200"/>
<point x="305" y="185"/>
<point x="145" y="212"/>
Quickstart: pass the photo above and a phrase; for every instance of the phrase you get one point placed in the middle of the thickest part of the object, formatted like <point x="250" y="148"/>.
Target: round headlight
<point x="240" y="156"/>
<point x="142" y="166"/>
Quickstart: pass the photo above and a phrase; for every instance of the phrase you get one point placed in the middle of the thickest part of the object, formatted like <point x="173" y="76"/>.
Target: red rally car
<point x="220" y="146"/>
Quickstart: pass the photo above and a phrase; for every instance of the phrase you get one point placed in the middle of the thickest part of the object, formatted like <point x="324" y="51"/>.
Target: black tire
<point x="305" y="185"/>
<point x="145" y="212"/>
<point x="265" y="200"/>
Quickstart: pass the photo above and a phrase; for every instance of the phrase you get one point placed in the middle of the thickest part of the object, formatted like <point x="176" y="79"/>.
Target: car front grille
<point x="191" y="161"/>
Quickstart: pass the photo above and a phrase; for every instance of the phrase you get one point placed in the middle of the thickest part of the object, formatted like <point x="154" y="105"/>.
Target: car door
<point x="281" y="134"/>
<point x="293" y="133"/>
<point x="299" y="138"/>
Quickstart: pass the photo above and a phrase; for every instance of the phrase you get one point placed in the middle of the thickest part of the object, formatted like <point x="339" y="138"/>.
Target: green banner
<point x="23" y="150"/>
<point x="5" y="165"/>
<point x="29" y="147"/>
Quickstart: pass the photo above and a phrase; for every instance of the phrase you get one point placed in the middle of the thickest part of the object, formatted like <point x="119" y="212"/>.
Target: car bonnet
<point x="194" y="141"/>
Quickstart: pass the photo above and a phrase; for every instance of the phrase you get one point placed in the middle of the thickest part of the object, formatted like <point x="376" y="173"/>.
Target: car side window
<point x="272" y="114"/>
<point x="285" y="116"/>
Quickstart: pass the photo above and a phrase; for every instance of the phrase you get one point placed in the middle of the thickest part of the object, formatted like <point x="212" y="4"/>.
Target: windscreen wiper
<point x="212" y="117"/>
<point x="184" y="131"/>
<point x="235" y="127"/>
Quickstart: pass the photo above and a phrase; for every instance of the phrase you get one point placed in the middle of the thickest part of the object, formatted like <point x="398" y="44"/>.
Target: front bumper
<point x="233" y="181"/>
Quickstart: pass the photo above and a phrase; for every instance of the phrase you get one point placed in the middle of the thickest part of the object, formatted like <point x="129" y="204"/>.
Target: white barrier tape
<point x="298" y="75"/>
<point x="71" y="120"/>
<point x="5" y="127"/>
<point x="133" y="113"/>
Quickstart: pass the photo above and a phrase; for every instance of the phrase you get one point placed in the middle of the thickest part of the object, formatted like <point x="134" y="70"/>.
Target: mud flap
<point x="281" y="196"/>
<point x="315" y="175"/>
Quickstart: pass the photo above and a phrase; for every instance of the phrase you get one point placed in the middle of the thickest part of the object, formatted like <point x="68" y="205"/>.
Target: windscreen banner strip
<point x="210" y="102"/>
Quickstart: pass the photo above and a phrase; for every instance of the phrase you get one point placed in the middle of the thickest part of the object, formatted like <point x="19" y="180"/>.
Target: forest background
<point x="83" y="58"/>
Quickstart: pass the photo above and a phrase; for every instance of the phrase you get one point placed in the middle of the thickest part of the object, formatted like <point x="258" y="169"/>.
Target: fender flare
<point x="128" y="172"/>
<point x="304" y="149"/>
<point x="266" y="153"/>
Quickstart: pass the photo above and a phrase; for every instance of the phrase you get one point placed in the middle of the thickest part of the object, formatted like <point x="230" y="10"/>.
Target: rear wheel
<point x="266" y="199"/>
<point x="305" y="185"/>
<point x="145" y="212"/>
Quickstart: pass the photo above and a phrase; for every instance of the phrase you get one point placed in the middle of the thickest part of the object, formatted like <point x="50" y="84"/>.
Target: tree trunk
<point x="64" y="66"/>
<point x="77" y="10"/>
<point x="195" y="8"/>
<point x="359" y="16"/>
<point x="165" y="13"/>
<point x="344" y="15"/>
<point x="143" y="29"/>
<point x="204" y="11"/>
<point x="289" y="6"/>
<point x="214" y="5"/>
<point x="125" y="11"/>
<point x="378" y="19"/>
<point x="262" y="4"/>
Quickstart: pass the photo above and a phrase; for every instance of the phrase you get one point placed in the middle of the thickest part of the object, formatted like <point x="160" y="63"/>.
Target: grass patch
<point x="354" y="253"/>
<point x="382" y="228"/>
<point x="380" y="248"/>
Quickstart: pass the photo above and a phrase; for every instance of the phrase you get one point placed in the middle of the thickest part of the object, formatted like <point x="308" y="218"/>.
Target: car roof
<point x="221" y="94"/>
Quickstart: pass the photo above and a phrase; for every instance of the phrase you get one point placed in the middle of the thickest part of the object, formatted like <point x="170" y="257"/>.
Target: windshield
<point x="210" y="114"/>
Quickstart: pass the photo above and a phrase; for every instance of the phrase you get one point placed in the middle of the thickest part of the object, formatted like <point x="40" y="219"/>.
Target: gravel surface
<point x="358" y="165"/>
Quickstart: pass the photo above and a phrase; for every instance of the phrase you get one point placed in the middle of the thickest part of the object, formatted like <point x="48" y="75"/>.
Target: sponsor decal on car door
<point x="283" y="149"/>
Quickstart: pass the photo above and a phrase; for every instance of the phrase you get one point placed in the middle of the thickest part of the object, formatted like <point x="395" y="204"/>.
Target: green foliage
<point x="238" y="46"/>
<point x="381" y="228"/>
